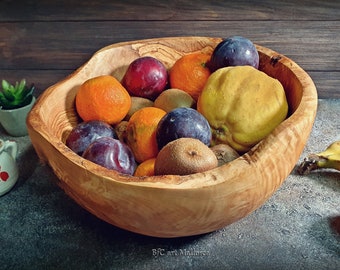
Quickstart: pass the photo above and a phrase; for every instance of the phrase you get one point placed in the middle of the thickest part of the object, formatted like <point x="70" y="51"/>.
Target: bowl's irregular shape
<point x="172" y="206"/>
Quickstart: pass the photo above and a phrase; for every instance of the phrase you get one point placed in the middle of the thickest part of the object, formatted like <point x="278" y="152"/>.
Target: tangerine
<point x="146" y="168"/>
<point x="102" y="98"/>
<point x="141" y="132"/>
<point x="190" y="73"/>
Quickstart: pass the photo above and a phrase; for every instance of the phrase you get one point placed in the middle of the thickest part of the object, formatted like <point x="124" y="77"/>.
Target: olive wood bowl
<point x="172" y="205"/>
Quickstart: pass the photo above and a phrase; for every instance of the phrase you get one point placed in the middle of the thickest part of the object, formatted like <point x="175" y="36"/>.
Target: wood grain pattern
<point x="43" y="41"/>
<point x="172" y="206"/>
<point x="177" y="10"/>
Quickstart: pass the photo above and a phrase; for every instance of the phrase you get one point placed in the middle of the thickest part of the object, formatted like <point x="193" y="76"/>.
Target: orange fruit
<point x="190" y="73"/>
<point x="141" y="133"/>
<point x="102" y="98"/>
<point x="146" y="168"/>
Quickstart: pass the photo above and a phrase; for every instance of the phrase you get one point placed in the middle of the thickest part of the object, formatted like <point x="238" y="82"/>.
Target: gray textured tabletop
<point x="297" y="228"/>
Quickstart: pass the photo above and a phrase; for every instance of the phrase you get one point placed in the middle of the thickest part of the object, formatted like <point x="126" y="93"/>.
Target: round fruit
<point x="141" y="132"/>
<point x="146" y="168"/>
<point x="111" y="154"/>
<point x="136" y="104"/>
<point x="146" y="77"/>
<point x="243" y="105"/>
<point x="234" y="51"/>
<point x="224" y="153"/>
<point x="174" y="98"/>
<point x="185" y="156"/>
<point x="183" y="122"/>
<point x="120" y="130"/>
<point x="102" y="98"/>
<point x="83" y="134"/>
<point x="190" y="73"/>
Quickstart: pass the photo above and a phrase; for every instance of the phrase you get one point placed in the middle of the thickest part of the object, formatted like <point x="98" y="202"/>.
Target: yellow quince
<point x="242" y="105"/>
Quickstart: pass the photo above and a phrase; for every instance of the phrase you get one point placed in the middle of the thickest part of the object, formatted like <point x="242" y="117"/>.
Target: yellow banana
<point x="329" y="158"/>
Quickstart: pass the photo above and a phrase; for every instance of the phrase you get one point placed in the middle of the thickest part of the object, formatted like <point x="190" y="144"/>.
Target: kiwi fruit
<point x="136" y="104"/>
<point x="174" y="98"/>
<point x="184" y="156"/>
<point x="224" y="153"/>
<point x="120" y="130"/>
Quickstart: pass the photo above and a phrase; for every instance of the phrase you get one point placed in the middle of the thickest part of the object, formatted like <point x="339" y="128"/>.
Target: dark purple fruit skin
<point x="145" y="77"/>
<point x="111" y="154"/>
<point x="182" y="122"/>
<point x="234" y="51"/>
<point x="82" y="135"/>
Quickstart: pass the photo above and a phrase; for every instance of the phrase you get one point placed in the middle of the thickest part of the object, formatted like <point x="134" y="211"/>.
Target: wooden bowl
<point x="172" y="206"/>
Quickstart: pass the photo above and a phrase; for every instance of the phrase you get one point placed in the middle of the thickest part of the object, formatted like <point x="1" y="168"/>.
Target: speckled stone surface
<point x="297" y="228"/>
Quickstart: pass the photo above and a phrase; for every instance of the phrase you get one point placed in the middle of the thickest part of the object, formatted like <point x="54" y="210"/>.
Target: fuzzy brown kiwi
<point x="224" y="153"/>
<point x="120" y="129"/>
<point x="136" y="104"/>
<point x="174" y="98"/>
<point x="185" y="156"/>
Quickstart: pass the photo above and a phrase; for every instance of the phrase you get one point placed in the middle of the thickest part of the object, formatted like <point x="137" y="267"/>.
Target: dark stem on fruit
<point x="193" y="153"/>
<point x="309" y="164"/>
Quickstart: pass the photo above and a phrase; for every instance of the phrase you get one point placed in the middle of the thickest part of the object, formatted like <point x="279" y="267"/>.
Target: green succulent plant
<point x="15" y="96"/>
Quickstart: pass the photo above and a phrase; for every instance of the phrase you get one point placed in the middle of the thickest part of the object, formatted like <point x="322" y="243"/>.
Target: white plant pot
<point x="14" y="121"/>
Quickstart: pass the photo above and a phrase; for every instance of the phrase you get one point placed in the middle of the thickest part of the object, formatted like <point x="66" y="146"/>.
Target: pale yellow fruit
<point x="242" y="105"/>
<point x="174" y="98"/>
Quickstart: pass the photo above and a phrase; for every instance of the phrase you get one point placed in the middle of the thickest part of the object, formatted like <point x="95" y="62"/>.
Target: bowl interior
<point x="56" y="110"/>
<point x="172" y="206"/>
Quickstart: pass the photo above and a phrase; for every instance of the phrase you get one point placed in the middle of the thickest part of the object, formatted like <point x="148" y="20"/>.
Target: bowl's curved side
<point x="171" y="206"/>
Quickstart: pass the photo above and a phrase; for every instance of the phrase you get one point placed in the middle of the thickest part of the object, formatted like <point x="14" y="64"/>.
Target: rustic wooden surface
<point x="44" y="41"/>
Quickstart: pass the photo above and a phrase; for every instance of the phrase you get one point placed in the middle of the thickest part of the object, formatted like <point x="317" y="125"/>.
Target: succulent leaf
<point x="20" y="88"/>
<point x="15" y="96"/>
<point x="5" y="84"/>
<point x="8" y="92"/>
<point x="3" y="99"/>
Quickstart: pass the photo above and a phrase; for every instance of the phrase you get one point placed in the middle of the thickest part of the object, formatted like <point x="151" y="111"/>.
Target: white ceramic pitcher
<point x="8" y="167"/>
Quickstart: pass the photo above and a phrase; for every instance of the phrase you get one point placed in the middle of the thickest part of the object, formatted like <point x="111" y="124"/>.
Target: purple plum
<point x="182" y="122"/>
<point x="82" y="135"/>
<point x="234" y="51"/>
<point x="145" y="77"/>
<point x="111" y="154"/>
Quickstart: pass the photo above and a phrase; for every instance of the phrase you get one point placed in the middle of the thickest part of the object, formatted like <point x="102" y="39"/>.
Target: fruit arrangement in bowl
<point x="175" y="136"/>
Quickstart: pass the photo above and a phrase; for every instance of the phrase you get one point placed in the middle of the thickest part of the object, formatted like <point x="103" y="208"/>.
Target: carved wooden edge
<point x="40" y="134"/>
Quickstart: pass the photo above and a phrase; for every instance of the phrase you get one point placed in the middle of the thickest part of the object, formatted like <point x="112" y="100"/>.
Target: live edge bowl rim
<point x="308" y="102"/>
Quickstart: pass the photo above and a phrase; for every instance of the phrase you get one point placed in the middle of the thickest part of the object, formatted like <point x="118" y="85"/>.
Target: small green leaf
<point x="4" y="102"/>
<point x="30" y="90"/>
<point x="22" y="84"/>
<point x="5" y="85"/>
<point x="20" y="89"/>
<point x="8" y="93"/>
